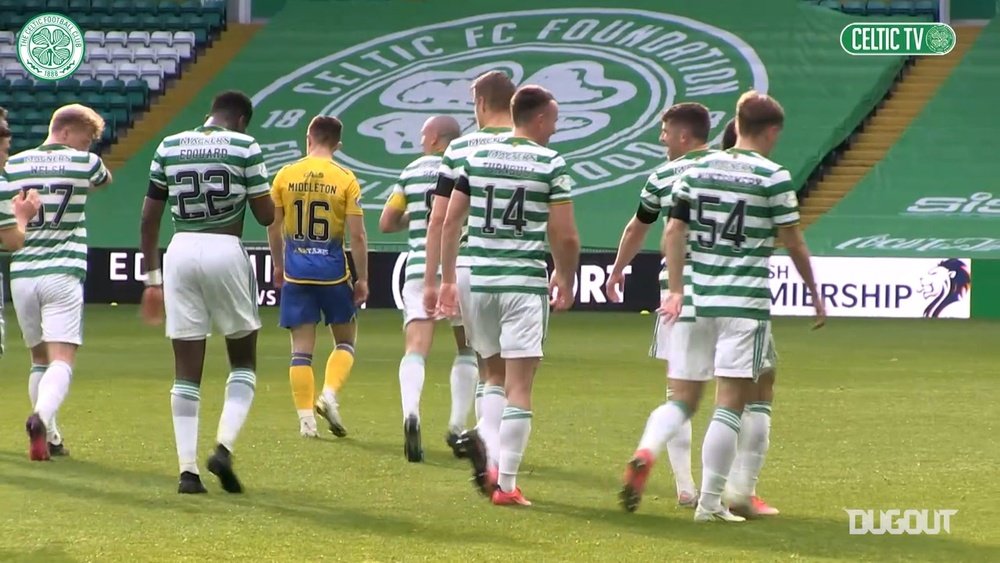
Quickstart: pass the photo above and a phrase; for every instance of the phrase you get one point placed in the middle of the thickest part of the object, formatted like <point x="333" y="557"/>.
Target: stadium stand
<point x="906" y="205"/>
<point x="134" y="50"/>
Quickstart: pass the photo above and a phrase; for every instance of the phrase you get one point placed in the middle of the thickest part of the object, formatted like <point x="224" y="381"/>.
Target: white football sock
<point x="494" y="403"/>
<point x="752" y="448"/>
<point x="411" y="383"/>
<point x="514" y="432"/>
<point x="52" y="390"/>
<point x="185" y="398"/>
<point x="663" y="423"/>
<point x="717" y="455"/>
<point x="239" y="396"/>
<point x="464" y="379"/>
<point x="679" y="452"/>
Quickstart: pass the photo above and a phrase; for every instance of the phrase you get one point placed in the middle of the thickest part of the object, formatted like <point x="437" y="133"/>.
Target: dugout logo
<point x="612" y="70"/>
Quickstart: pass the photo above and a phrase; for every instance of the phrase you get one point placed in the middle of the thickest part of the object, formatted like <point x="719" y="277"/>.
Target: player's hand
<point x="26" y="205"/>
<point x="448" y="301"/>
<point x="431" y="299"/>
<point x="560" y="293"/>
<point x="360" y="292"/>
<point x="151" y="308"/>
<point x="820" y="309"/>
<point x="278" y="279"/>
<point x="615" y="286"/>
<point x="670" y="308"/>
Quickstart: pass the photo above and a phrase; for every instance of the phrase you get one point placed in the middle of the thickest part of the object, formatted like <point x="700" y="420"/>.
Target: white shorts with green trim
<point x="720" y="346"/>
<point x="510" y="324"/>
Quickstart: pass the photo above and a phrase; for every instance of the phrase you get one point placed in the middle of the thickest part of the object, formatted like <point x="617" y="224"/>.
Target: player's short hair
<point x="495" y="88"/>
<point x="729" y="135"/>
<point x="3" y="113"/>
<point x="77" y="116"/>
<point x="326" y="130"/>
<point x="527" y="102"/>
<point x="755" y="112"/>
<point x="4" y="126"/>
<point x="232" y="104"/>
<point x="693" y="116"/>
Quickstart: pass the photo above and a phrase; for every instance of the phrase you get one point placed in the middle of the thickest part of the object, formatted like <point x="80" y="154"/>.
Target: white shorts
<point x="49" y="308"/>
<point x="510" y="324"/>
<point x="413" y="302"/>
<point x="208" y="278"/>
<point x="721" y="346"/>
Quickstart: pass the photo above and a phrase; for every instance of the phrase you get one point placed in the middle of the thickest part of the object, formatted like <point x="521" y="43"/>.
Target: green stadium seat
<point x="6" y="99"/>
<point x="138" y="93"/>
<point x="64" y="97"/>
<point x="877" y="8"/>
<point x="145" y="7"/>
<point x="122" y="115"/>
<point x="22" y="85"/>
<point x="95" y="100"/>
<point x="38" y="130"/>
<point x="23" y="100"/>
<point x="190" y="7"/>
<point x="45" y="86"/>
<point x="903" y="7"/>
<point x="87" y="21"/>
<point x="45" y="99"/>
<point x="90" y="85"/>
<point x="10" y="6"/>
<point x="127" y="21"/>
<point x="79" y="6"/>
<point x="34" y="117"/>
<point x="122" y="7"/>
<point x="173" y="22"/>
<point x="926" y="7"/>
<point x="68" y="85"/>
<point x="60" y="6"/>
<point x="853" y="7"/>
<point x="167" y="7"/>
<point x="107" y="21"/>
<point x="4" y="83"/>
<point x="114" y="86"/>
<point x="18" y="129"/>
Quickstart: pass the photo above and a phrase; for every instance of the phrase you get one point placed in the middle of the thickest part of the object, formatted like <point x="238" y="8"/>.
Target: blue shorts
<point x="302" y="304"/>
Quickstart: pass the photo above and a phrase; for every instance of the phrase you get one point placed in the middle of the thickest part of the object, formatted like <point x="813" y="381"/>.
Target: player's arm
<point x="394" y="217"/>
<point x="100" y="176"/>
<point x="275" y="238"/>
<point x="784" y="206"/>
<point x="16" y="210"/>
<point x="457" y="213"/>
<point x="153" y="205"/>
<point x="355" y="220"/>
<point x="435" y="219"/>
<point x="258" y="190"/>
<point x="674" y="243"/>
<point x="633" y="236"/>
<point x="563" y="236"/>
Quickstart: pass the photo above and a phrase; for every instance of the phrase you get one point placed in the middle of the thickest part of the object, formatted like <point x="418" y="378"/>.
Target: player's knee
<point x="61" y="352"/>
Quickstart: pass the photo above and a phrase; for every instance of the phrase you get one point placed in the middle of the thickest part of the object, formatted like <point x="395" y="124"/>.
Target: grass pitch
<point x="869" y="414"/>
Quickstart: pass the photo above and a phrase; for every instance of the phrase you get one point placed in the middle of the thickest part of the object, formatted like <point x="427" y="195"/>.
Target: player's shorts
<point x="721" y="346"/>
<point x="413" y="302"/>
<point x="49" y="308"/>
<point x="208" y="278"/>
<point x="510" y="324"/>
<point x="304" y="304"/>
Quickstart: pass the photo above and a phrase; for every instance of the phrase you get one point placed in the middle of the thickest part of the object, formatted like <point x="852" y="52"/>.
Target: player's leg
<point x="187" y="325"/>
<point x="61" y="306"/>
<point x="28" y="308"/>
<point x="465" y="387"/>
<point x="299" y="312"/>
<point x="754" y="440"/>
<point x="481" y="318"/>
<point x="339" y="312"/>
<point x="523" y="324"/>
<point x="678" y="447"/>
<point x="740" y="351"/>
<point x="690" y="352"/>
<point x="418" y="331"/>
<point x="230" y="285"/>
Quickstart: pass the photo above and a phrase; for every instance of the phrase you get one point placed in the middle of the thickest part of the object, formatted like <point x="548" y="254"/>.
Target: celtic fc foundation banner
<point x="614" y="66"/>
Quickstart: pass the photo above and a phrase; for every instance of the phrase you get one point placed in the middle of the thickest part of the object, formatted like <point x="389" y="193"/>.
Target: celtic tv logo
<point x="613" y="71"/>
<point x="895" y="39"/>
<point x="50" y="46"/>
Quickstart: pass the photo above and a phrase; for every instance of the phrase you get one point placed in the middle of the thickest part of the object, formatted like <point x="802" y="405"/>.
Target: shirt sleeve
<point x="560" y="182"/>
<point x="397" y="199"/>
<point x="354" y="198"/>
<point x="650" y="195"/>
<point x="157" y="173"/>
<point x="7" y="194"/>
<point x="255" y="172"/>
<point x="782" y="201"/>
<point x="98" y="172"/>
<point x="680" y="190"/>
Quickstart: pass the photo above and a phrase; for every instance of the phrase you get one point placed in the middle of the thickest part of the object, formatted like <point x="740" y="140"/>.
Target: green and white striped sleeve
<point x="649" y="197"/>
<point x="7" y="193"/>
<point x="782" y="201"/>
<point x="98" y="171"/>
<point x="256" y="172"/>
<point x="560" y="182"/>
<point x="157" y="174"/>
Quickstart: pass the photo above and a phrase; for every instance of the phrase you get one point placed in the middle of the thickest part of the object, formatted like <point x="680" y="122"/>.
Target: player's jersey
<point x="512" y="184"/>
<point x="454" y="158"/>
<point x="209" y="173"/>
<point x="316" y="196"/>
<point x="656" y="198"/>
<point x="413" y="194"/>
<point x="56" y="242"/>
<point x="738" y="198"/>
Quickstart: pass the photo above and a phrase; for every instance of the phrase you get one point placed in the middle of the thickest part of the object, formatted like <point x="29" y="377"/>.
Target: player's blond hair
<point x="755" y="112"/>
<point x="77" y="116"/>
